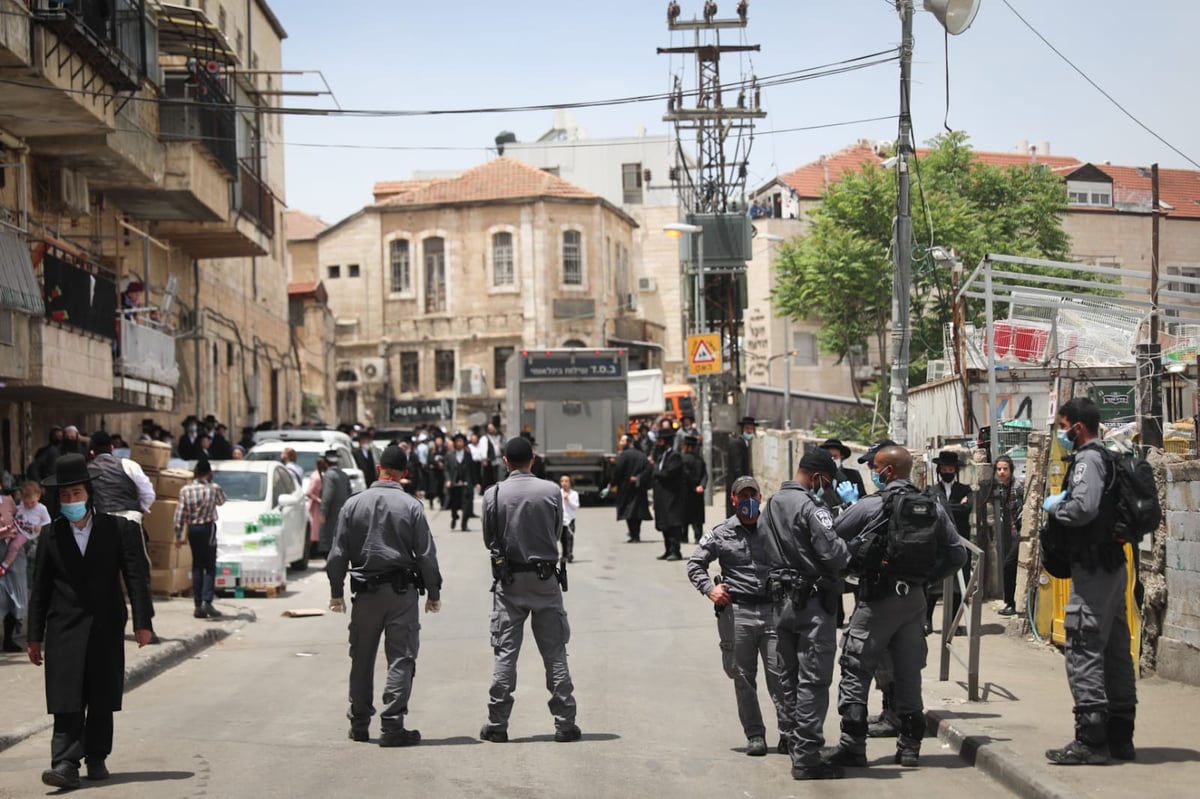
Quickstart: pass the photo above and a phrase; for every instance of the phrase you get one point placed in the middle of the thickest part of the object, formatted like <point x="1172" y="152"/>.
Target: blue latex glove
<point x="1053" y="500"/>
<point x="604" y="493"/>
<point x="848" y="492"/>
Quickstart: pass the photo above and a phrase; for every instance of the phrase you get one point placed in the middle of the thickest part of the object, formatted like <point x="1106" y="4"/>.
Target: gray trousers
<point x="1099" y="661"/>
<point x="747" y="634"/>
<point x="527" y="596"/>
<point x="807" y="642"/>
<point x="892" y="624"/>
<point x="394" y="617"/>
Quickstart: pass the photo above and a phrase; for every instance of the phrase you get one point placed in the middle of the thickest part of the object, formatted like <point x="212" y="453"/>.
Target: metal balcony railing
<point x="146" y="353"/>
<point x="78" y="297"/>
<point x="257" y="202"/>
<point x="198" y="108"/>
<point x="109" y="35"/>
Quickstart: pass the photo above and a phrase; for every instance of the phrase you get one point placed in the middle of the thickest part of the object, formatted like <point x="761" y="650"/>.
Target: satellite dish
<point x="955" y="15"/>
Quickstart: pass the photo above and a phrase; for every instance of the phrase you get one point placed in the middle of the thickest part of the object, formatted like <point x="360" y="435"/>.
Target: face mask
<point x="837" y="461"/>
<point x="747" y="509"/>
<point x="878" y="480"/>
<point x="192" y="430"/>
<point x="1065" y="441"/>
<point x="74" y="511"/>
<point x="748" y="436"/>
<point x="947" y="477"/>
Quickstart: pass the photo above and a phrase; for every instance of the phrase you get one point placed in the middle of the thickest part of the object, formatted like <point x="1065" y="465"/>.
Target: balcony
<point x="14" y="34"/>
<point x="257" y="201"/>
<point x="145" y="370"/>
<point x="107" y="35"/>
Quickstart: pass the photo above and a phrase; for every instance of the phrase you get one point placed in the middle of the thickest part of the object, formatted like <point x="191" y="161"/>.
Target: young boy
<point x="31" y="517"/>
<point x="570" y="501"/>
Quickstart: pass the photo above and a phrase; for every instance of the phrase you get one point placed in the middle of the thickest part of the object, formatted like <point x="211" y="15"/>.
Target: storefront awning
<point x="19" y="289"/>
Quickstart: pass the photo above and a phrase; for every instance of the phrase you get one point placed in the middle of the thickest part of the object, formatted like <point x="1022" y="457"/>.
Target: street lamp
<point x="955" y="16"/>
<point x="699" y="325"/>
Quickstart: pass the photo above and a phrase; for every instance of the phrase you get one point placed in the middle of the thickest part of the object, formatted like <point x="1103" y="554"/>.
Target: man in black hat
<point x="335" y="490"/>
<point x="738" y="460"/>
<point x="78" y="614"/>
<point x="695" y="475"/>
<point x="670" y="512"/>
<point x="845" y="474"/>
<point x="220" y="448"/>
<point x="956" y="498"/>
<point x="364" y="457"/>
<point x="188" y="446"/>
<point x="633" y="505"/>
<point x="384" y="542"/>
<point x="460" y="480"/>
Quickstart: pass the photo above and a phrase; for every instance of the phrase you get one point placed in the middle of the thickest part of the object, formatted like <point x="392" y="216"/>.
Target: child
<point x="14" y="586"/>
<point x="570" y="500"/>
<point x="31" y="517"/>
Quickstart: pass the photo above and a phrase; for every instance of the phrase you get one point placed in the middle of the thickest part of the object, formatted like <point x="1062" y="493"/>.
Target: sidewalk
<point x="1027" y="710"/>
<point x="180" y="636"/>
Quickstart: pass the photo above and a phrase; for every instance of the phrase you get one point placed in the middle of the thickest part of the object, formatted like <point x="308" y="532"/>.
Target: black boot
<point x="673" y="550"/>
<point x="10" y="626"/>
<point x="887" y="723"/>
<point x="908" y="744"/>
<point x="453" y="519"/>
<point x="1090" y="747"/>
<point x="854" y="726"/>
<point x="666" y="553"/>
<point x="1120" y="739"/>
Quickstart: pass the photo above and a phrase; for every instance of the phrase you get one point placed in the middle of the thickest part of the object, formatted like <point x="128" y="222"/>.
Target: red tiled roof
<point x="302" y="226"/>
<point x="498" y="179"/>
<point x="385" y="189"/>
<point x="1179" y="188"/>
<point x="307" y="288"/>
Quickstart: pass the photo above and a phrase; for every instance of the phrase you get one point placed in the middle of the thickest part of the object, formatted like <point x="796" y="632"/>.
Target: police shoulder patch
<point x="1080" y="471"/>
<point x="824" y="517"/>
<point x="707" y="538"/>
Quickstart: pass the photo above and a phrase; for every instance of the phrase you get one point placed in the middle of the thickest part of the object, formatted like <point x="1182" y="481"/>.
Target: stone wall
<point x="1178" y="649"/>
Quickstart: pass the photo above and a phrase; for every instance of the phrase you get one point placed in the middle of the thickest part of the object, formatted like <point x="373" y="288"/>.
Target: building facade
<point x="140" y="205"/>
<point x="437" y="282"/>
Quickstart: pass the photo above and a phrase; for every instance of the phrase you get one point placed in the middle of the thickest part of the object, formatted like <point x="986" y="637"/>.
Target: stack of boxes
<point x="170" y="566"/>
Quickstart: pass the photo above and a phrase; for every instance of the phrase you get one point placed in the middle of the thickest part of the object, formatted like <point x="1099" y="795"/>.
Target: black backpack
<point x="1136" y="510"/>
<point x="912" y="539"/>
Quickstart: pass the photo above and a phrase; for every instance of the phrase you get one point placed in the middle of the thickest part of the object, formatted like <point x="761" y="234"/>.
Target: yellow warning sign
<point x="704" y="354"/>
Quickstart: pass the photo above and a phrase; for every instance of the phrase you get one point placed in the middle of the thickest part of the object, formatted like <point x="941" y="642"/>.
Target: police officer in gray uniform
<point x="1099" y="664"/>
<point x="383" y="540"/>
<point x="522" y="521"/>
<point x="889" y="616"/>
<point x="744" y="621"/>
<point x="806" y="558"/>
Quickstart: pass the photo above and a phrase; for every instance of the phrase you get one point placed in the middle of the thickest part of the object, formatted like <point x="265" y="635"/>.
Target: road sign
<point x="704" y="354"/>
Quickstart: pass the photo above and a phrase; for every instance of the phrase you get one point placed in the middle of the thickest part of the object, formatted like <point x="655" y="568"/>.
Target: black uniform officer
<point x="1099" y="662"/>
<point x="806" y="558"/>
<point x="383" y="539"/>
<point x="744" y="616"/>
<point x="889" y="617"/>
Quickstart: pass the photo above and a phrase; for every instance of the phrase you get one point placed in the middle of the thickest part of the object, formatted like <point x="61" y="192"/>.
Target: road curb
<point x="166" y="655"/>
<point x="995" y="759"/>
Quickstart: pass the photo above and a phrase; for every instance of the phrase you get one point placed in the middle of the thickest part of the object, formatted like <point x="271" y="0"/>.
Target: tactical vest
<point x="1097" y="531"/>
<point x="113" y="491"/>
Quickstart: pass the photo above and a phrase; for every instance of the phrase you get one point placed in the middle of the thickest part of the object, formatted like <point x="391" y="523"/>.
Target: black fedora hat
<point x="947" y="457"/>
<point x="834" y="443"/>
<point x="71" y="469"/>
<point x="748" y="420"/>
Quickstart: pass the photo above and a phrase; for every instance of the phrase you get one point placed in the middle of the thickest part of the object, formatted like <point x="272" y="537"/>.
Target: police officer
<point x="383" y="540"/>
<point x="522" y="520"/>
<point x="1099" y="665"/>
<point x="744" y="621"/>
<point x="890" y="614"/>
<point x="806" y="558"/>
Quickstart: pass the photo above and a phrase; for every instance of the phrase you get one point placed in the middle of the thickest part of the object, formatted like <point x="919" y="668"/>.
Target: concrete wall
<point x="1178" y="651"/>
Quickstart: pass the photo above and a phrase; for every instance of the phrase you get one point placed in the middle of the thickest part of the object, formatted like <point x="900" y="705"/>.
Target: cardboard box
<point x="160" y="522"/>
<point x="170" y="581"/>
<point x="150" y="454"/>
<point x="168" y="482"/>
<point x="165" y="555"/>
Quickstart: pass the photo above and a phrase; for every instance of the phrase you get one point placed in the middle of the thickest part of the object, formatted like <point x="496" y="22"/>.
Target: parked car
<point x="309" y="445"/>
<point x="253" y="488"/>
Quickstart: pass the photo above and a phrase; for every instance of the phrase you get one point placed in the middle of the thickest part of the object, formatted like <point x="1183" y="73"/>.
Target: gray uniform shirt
<point x="807" y="541"/>
<point x="526" y="513"/>
<point x="738" y="548"/>
<point x="867" y="513"/>
<point x="382" y="530"/>
<point x="1085" y="487"/>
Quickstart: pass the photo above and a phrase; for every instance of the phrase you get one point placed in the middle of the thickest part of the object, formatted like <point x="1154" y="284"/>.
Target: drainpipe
<point x="198" y="332"/>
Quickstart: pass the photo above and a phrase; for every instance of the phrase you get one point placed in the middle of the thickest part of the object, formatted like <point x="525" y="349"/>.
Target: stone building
<point x="138" y="147"/>
<point x="437" y="282"/>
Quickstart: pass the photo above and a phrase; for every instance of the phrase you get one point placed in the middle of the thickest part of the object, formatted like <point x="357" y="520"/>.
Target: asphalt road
<point x="263" y="714"/>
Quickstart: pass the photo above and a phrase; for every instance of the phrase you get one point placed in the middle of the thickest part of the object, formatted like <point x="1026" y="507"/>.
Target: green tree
<point x="841" y="272"/>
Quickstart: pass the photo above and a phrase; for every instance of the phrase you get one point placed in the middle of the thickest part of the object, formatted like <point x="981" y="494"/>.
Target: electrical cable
<point x="1097" y="87"/>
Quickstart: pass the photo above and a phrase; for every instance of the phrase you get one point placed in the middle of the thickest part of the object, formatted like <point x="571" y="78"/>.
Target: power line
<point x="1097" y="87"/>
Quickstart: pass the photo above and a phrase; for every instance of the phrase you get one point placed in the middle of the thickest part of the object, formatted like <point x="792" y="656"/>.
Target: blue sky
<point x="1006" y="86"/>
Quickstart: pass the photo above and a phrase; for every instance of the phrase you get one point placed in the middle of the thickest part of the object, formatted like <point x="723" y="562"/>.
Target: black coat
<point x="461" y="477"/>
<point x="958" y="510"/>
<point x="670" y="511"/>
<point x="220" y="449"/>
<point x="365" y="463"/>
<point x="632" y="501"/>
<point x="695" y="475"/>
<point x="737" y="464"/>
<point x="77" y="610"/>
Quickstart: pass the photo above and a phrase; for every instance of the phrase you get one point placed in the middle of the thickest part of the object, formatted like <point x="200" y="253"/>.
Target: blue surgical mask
<point x="748" y="436"/>
<point x="74" y="511"/>
<point x="878" y="480"/>
<point x="1065" y="441"/>
<point x="192" y="430"/>
<point x="747" y="509"/>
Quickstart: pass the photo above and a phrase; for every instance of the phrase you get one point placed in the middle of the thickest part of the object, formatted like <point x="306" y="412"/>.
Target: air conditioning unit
<point x="937" y="369"/>
<point x="630" y="303"/>
<point x="68" y="193"/>
<point x="373" y="370"/>
<point x="647" y="284"/>
<point x="472" y="382"/>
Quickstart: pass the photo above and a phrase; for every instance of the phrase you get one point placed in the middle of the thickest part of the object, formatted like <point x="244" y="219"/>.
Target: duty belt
<point x="882" y="587"/>
<point x="749" y="599"/>
<point x="543" y="568"/>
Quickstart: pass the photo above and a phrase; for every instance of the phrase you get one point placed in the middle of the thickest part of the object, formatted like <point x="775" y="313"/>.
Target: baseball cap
<point x="744" y="482"/>
<point x="869" y="455"/>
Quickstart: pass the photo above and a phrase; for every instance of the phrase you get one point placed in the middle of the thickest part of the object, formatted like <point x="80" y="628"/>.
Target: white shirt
<point x="82" y="536"/>
<point x="570" y="506"/>
<point x="145" y="488"/>
<point x="30" y="521"/>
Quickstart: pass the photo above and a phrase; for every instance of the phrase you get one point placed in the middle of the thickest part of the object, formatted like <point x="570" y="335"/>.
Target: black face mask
<point x="947" y="477"/>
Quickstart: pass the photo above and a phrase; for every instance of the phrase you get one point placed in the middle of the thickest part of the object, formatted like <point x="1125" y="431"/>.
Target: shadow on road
<point x="129" y="777"/>
<point x="458" y="740"/>
<point x="1152" y="755"/>
<point x="587" y="736"/>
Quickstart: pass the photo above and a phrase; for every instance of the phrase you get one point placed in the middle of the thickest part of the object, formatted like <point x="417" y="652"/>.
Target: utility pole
<point x="902" y="241"/>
